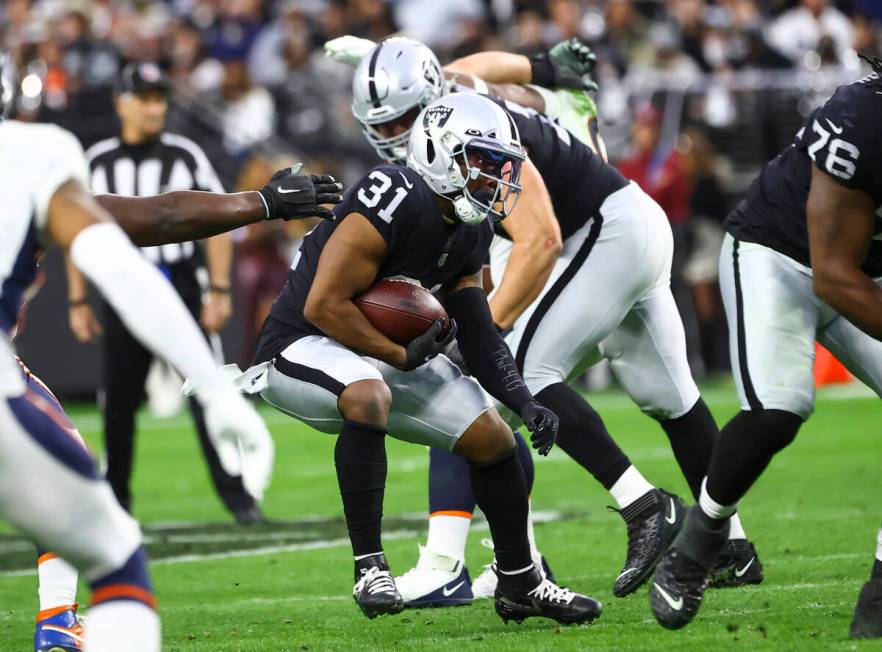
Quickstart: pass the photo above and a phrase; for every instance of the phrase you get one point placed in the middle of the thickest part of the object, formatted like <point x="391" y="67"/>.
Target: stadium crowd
<point x="686" y="93"/>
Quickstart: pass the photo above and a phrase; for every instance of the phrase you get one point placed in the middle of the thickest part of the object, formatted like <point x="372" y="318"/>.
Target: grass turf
<point x="813" y="517"/>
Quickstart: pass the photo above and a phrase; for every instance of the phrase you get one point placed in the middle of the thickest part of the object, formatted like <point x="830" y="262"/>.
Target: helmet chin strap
<point x="465" y="211"/>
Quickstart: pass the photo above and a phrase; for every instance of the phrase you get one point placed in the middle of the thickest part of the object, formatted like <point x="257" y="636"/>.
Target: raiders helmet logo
<point x="432" y="74"/>
<point x="436" y="117"/>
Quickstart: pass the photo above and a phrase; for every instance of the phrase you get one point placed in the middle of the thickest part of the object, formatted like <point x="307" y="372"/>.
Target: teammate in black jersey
<point x="801" y="261"/>
<point x="580" y="230"/>
<point x="328" y="366"/>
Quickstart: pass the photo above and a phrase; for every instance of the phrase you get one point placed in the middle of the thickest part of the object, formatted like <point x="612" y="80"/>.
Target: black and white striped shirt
<point x="170" y="162"/>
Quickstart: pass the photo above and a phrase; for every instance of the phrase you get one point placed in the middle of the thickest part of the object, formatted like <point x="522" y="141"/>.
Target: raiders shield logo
<point x="436" y="117"/>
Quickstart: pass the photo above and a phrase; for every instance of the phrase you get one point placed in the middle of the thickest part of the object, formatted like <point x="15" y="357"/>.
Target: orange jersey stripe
<point x="451" y="512"/>
<point x="123" y="591"/>
<point x="46" y="557"/>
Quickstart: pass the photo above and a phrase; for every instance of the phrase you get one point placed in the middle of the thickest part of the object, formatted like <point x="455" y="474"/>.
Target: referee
<point x="144" y="161"/>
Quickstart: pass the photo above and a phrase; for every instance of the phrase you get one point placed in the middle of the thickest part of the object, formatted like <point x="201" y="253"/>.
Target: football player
<point x="170" y="217"/>
<point x="542" y="269"/>
<point x="322" y="362"/>
<point x="49" y="485"/>
<point x="801" y="262"/>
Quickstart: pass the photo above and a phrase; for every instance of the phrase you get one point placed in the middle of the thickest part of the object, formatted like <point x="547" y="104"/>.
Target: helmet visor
<point x="493" y="174"/>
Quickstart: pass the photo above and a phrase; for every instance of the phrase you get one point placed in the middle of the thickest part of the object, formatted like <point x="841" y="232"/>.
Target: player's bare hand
<point x="291" y="196"/>
<point x="216" y="312"/>
<point x="542" y="424"/>
<point x="83" y="323"/>
<point x="423" y="348"/>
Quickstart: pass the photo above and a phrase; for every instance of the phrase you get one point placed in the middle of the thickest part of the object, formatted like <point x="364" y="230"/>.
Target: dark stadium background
<point x="727" y="82"/>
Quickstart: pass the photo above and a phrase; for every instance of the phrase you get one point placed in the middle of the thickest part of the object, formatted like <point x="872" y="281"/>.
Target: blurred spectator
<point x="708" y="208"/>
<point x="248" y="113"/>
<point x="813" y="26"/>
<point x="437" y="24"/>
<point x="263" y="256"/>
<point x="661" y="170"/>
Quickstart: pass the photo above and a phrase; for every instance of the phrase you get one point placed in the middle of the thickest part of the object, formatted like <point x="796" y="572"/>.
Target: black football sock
<point x="692" y="438"/>
<point x="876" y="573"/>
<point x="744" y="449"/>
<point x="501" y="492"/>
<point x="450" y="485"/>
<point x="583" y="436"/>
<point x="360" y="457"/>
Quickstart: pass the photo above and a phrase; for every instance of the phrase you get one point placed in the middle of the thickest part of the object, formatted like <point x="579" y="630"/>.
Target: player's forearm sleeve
<point x="145" y="301"/>
<point x="488" y="357"/>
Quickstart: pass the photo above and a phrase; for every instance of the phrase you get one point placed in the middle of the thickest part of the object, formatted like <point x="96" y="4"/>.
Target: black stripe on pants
<point x="749" y="392"/>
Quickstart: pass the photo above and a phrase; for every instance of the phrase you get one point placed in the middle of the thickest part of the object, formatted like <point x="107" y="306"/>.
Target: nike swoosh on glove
<point x="424" y="347"/>
<point x="542" y="424"/>
<point x="289" y="195"/>
<point x="241" y="439"/>
<point x="348" y="49"/>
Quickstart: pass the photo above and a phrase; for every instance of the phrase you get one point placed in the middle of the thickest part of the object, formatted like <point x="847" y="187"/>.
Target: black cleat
<point x="526" y="595"/>
<point x="738" y="565"/>
<point x="250" y="515"/>
<point x="867" y="622"/>
<point x="653" y="521"/>
<point x="375" y="591"/>
<point x="681" y="575"/>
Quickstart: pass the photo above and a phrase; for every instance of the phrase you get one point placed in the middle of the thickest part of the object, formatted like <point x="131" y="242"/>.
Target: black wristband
<point x="542" y="71"/>
<point x="218" y="289"/>
<point x="75" y="303"/>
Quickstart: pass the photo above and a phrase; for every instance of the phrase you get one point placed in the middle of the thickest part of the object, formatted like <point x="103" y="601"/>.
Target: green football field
<point x="287" y="586"/>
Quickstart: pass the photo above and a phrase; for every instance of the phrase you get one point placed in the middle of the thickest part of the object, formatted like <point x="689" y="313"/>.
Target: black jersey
<point x="419" y="244"/>
<point x="578" y="180"/>
<point x="844" y="140"/>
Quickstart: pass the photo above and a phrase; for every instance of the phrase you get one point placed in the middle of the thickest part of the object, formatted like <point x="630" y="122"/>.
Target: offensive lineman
<point x="49" y="486"/>
<point x="631" y="319"/>
<point x="801" y="262"/>
<point x="328" y="366"/>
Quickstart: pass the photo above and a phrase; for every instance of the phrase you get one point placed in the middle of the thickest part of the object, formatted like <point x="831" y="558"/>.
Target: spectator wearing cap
<point x="144" y="160"/>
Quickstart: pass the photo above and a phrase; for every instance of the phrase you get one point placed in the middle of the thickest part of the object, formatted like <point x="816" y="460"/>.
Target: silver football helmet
<point x="467" y="149"/>
<point x="398" y="77"/>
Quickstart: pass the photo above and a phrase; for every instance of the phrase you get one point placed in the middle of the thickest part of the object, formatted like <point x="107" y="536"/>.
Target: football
<point x="401" y="309"/>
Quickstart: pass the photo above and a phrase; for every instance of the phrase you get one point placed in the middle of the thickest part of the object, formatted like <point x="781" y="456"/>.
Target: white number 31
<point x="371" y="196"/>
<point x="841" y="154"/>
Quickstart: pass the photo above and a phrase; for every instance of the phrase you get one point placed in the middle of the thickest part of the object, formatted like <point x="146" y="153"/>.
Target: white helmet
<point x="398" y="76"/>
<point x="460" y="138"/>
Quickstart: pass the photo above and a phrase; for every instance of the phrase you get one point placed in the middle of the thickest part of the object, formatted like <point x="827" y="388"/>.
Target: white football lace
<point x="548" y="590"/>
<point x="378" y="581"/>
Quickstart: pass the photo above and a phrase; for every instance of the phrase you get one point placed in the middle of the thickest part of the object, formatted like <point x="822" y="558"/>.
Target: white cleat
<point x="436" y="581"/>
<point x="484" y="586"/>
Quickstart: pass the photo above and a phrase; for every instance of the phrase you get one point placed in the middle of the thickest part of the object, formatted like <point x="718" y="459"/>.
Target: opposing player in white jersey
<point x="49" y="486"/>
<point x="802" y="261"/>
<point x="593" y="235"/>
<point x="171" y="217"/>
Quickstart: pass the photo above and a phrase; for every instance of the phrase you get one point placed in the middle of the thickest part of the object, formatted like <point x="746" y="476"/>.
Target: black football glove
<point x="290" y="196"/>
<point x="424" y="347"/>
<point x="542" y="424"/>
<point x="567" y="65"/>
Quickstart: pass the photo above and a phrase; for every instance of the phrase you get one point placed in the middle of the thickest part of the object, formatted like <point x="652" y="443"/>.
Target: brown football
<point x="401" y="310"/>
